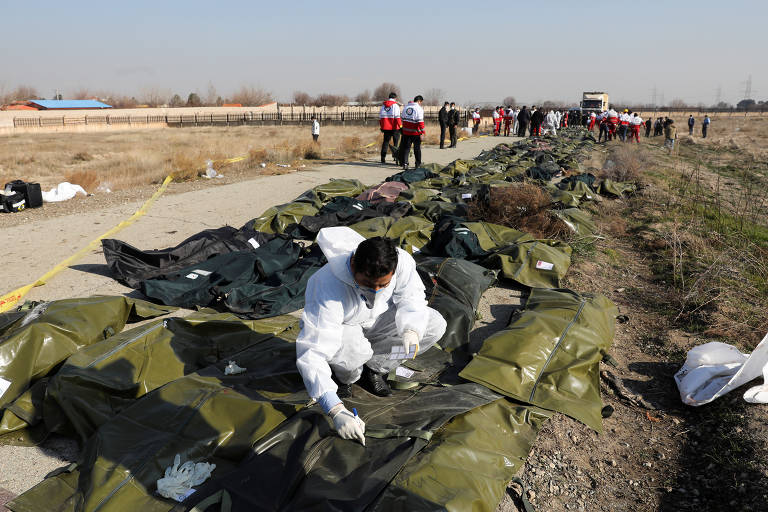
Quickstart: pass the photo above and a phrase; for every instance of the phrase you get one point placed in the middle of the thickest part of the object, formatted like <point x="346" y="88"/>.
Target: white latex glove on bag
<point x="410" y="339"/>
<point x="347" y="424"/>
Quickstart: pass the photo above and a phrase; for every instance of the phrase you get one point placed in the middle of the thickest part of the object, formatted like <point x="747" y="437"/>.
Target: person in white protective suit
<point x="550" y="123"/>
<point x="365" y="312"/>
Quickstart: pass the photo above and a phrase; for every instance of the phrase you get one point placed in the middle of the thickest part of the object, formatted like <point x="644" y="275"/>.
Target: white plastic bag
<point x="63" y="192"/>
<point x="713" y="369"/>
<point x="178" y="481"/>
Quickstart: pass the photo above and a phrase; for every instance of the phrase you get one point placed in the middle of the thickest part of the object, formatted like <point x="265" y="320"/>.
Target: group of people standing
<point x="409" y="122"/>
<point x="517" y="121"/>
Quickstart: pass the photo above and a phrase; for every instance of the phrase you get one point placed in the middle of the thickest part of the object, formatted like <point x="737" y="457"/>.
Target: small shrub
<point x="257" y="155"/>
<point x="307" y="151"/>
<point x="350" y="145"/>
<point x="185" y="167"/>
<point x="625" y="163"/>
<point x="82" y="156"/>
<point x="89" y="180"/>
<point x="522" y="206"/>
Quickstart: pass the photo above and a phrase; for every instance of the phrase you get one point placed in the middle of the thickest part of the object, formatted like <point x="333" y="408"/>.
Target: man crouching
<point x="365" y="312"/>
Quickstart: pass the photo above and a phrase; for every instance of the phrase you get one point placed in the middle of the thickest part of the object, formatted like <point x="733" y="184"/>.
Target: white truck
<point x="594" y="101"/>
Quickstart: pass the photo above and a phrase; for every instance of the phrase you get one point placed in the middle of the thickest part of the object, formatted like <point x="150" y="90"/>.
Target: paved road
<point x="171" y="219"/>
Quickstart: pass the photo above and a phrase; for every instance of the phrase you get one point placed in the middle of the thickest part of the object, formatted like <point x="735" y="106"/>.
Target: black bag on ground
<point x="31" y="192"/>
<point x="14" y="202"/>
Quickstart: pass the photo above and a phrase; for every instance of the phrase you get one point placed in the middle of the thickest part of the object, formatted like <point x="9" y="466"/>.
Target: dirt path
<point x="39" y="245"/>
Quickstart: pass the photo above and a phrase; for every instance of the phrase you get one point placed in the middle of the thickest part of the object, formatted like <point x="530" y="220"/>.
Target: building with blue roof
<point x="67" y="104"/>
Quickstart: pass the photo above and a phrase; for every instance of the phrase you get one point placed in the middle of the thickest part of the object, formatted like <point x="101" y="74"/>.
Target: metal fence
<point x="218" y="119"/>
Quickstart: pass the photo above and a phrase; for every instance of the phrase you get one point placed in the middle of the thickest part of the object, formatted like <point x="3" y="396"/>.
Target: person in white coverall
<point x="550" y="123"/>
<point x="364" y="311"/>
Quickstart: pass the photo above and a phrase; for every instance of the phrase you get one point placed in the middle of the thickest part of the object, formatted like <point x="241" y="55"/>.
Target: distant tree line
<point x="252" y="96"/>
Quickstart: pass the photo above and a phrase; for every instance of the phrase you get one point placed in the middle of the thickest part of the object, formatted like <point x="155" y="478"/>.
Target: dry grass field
<point x="122" y="160"/>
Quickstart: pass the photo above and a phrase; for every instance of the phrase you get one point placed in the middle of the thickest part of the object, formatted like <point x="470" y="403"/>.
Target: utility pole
<point x="718" y="94"/>
<point x="653" y="96"/>
<point x="748" y="88"/>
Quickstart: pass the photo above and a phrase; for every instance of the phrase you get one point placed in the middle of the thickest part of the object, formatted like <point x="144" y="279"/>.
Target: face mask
<point x="368" y="295"/>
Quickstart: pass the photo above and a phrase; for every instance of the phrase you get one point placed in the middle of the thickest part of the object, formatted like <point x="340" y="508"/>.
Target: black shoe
<point x="374" y="382"/>
<point x="345" y="390"/>
<point x="383" y="161"/>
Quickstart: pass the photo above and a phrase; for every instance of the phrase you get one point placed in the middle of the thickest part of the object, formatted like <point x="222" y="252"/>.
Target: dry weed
<point x="625" y="163"/>
<point x="87" y="179"/>
<point x="82" y="156"/>
<point x="521" y="206"/>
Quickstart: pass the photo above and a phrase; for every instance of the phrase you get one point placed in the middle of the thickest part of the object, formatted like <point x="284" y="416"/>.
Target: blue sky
<point x="474" y="51"/>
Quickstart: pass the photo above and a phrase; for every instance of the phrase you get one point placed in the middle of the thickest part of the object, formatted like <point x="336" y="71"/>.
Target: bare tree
<point x="433" y="97"/>
<point x="176" y="101"/>
<point x="154" y="96"/>
<point x="301" y="98"/>
<point x="382" y="92"/>
<point x="82" y="94"/>
<point x="509" y="100"/>
<point x="23" y="93"/>
<point x="330" y="100"/>
<point x="193" y="100"/>
<point x="211" y="95"/>
<point x="251" y="96"/>
<point x="364" y="97"/>
<point x="678" y="103"/>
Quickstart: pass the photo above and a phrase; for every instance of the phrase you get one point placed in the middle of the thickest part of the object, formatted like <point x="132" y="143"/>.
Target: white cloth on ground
<point x="713" y="369"/>
<point x="62" y="192"/>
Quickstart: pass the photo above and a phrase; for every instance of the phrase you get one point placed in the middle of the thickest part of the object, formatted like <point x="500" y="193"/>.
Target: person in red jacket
<point x="508" y="115"/>
<point x="496" y="121"/>
<point x="413" y="131"/>
<point x="390" y="124"/>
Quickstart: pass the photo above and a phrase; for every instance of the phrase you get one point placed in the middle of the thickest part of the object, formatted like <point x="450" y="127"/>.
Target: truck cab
<point x="594" y="101"/>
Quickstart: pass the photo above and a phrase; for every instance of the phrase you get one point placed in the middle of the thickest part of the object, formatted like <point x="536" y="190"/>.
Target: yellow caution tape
<point x="9" y="300"/>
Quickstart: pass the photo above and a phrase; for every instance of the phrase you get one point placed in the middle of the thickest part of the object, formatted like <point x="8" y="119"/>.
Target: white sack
<point x="62" y="192"/>
<point x="713" y="369"/>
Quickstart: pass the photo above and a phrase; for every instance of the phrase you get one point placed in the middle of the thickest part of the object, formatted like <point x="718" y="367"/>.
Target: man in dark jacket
<point x="536" y="119"/>
<point x="453" y="123"/>
<point x="442" y="118"/>
<point x="523" y="118"/>
<point x="648" y="127"/>
<point x="691" y="122"/>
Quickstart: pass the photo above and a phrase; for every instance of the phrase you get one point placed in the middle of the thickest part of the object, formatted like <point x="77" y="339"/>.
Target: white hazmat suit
<point x="340" y="332"/>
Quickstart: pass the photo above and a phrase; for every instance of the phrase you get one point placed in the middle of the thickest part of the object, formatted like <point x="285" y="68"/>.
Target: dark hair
<point x="444" y="104"/>
<point x="392" y="95"/>
<point x="375" y="257"/>
<point x="418" y="97"/>
<point x="452" y="104"/>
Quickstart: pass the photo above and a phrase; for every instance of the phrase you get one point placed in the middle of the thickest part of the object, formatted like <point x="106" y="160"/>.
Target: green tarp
<point x="411" y="233"/>
<point x="468" y="463"/>
<point x="535" y="263"/>
<point x="48" y="334"/>
<point x="549" y="354"/>
<point x="283" y="218"/>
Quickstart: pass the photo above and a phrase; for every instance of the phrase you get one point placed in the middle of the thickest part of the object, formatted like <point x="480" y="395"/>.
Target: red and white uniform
<point x="624" y="119"/>
<point x="635" y="123"/>
<point x="413" y="119"/>
<point x="496" y="121"/>
<point x="508" y="116"/>
<point x="592" y="119"/>
<point x="476" y="117"/>
<point x="389" y="116"/>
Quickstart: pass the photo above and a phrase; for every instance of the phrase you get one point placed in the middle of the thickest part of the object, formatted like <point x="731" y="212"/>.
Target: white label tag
<point x="192" y="276"/>
<point x="202" y="272"/>
<point x="466" y="196"/>
<point x="4" y="385"/>
<point x="398" y="352"/>
<point x="507" y="462"/>
<point x="544" y="265"/>
<point x="415" y="250"/>
<point x="357" y="206"/>
<point x="254" y="243"/>
<point x="401" y="371"/>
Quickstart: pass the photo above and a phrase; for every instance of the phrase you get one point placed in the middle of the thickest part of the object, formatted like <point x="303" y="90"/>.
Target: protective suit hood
<point x="338" y="244"/>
